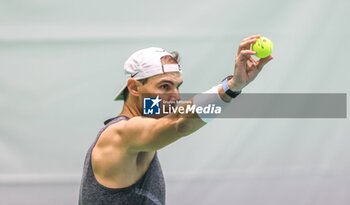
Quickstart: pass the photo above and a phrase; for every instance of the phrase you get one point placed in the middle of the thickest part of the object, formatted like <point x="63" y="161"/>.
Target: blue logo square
<point x="151" y="106"/>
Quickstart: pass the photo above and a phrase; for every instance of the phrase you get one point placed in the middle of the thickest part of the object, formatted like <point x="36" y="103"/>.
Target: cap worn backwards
<point x="146" y="63"/>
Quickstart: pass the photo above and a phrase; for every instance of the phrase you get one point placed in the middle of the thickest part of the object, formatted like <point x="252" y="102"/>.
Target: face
<point x="166" y="86"/>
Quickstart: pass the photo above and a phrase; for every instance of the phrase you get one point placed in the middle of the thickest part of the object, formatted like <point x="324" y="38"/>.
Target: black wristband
<point x="227" y="90"/>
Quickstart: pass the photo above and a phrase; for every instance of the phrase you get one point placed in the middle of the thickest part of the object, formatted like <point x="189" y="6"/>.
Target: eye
<point x="165" y="87"/>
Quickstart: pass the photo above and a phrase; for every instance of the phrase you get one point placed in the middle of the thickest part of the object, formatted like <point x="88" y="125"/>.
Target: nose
<point x="175" y="95"/>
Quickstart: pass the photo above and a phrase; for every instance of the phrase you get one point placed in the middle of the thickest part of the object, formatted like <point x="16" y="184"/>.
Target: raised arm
<point x="148" y="134"/>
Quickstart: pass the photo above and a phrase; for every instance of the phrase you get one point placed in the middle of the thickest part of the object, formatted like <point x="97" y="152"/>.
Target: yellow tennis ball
<point x="263" y="47"/>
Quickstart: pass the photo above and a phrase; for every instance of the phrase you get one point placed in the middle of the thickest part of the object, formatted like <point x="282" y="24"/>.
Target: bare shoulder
<point x="110" y="148"/>
<point x="113" y="164"/>
<point x="144" y="134"/>
<point x="117" y="136"/>
<point x="112" y="135"/>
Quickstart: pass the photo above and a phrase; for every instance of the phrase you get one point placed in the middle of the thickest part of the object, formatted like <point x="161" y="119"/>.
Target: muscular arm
<point x="147" y="134"/>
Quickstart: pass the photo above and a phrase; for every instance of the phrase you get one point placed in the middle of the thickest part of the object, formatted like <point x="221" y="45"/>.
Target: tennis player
<point x="121" y="166"/>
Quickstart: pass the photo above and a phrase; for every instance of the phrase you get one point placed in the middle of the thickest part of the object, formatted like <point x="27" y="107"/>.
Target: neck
<point x="130" y="110"/>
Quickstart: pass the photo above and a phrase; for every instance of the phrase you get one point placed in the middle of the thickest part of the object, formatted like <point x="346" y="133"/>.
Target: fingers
<point x="252" y="37"/>
<point x="246" y="43"/>
<point x="244" y="55"/>
<point x="252" y="64"/>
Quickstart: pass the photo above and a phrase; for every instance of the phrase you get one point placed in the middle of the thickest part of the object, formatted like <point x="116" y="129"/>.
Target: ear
<point x="134" y="87"/>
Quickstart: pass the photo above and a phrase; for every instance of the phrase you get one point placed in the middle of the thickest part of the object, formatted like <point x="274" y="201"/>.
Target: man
<point x="121" y="166"/>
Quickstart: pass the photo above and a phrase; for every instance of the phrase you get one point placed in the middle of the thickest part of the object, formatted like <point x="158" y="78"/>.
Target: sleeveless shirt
<point x="149" y="190"/>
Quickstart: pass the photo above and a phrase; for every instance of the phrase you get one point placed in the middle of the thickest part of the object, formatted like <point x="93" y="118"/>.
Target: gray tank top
<point x="149" y="190"/>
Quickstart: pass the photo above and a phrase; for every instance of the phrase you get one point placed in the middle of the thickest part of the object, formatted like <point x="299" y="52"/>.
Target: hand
<point x="246" y="68"/>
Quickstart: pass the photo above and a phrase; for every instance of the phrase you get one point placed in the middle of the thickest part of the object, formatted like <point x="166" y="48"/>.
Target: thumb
<point x="263" y="61"/>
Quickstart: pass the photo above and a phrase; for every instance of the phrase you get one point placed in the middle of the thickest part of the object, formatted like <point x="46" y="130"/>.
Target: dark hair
<point x="174" y="54"/>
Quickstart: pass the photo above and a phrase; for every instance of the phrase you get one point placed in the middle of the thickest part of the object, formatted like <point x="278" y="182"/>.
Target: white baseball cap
<point x="146" y="63"/>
